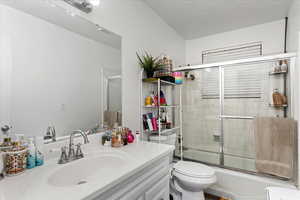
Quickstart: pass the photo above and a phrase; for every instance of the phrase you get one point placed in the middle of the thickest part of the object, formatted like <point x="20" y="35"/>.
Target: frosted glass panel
<point x="255" y="80"/>
<point x="239" y="148"/>
<point x="201" y="125"/>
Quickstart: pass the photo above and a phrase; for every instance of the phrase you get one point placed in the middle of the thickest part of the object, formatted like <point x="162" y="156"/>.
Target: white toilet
<point x="189" y="179"/>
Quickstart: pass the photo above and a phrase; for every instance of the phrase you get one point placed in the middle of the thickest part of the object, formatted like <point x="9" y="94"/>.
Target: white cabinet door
<point x="159" y="191"/>
<point x="141" y="198"/>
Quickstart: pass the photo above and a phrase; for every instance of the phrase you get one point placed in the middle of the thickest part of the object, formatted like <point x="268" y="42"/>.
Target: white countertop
<point x="34" y="184"/>
<point x="277" y="193"/>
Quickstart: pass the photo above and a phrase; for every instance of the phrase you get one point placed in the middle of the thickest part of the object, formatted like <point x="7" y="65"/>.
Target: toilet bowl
<point x="190" y="179"/>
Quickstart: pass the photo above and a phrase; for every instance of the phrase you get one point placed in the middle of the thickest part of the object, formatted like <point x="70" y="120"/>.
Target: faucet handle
<point x="71" y="155"/>
<point x="63" y="157"/>
<point x="79" y="153"/>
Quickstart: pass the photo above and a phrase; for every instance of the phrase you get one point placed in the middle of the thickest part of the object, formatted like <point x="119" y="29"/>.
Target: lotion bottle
<point x="31" y="158"/>
<point x="39" y="159"/>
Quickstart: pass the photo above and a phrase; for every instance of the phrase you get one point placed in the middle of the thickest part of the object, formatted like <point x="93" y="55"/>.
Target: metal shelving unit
<point x="176" y="109"/>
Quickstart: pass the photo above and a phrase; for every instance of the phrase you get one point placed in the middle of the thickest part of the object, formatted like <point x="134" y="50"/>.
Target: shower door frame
<point x="221" y="66"/>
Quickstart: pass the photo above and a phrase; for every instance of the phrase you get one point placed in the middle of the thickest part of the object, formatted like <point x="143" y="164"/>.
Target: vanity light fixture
<point x="99" y="28"/>
<point x="95" y="2"/>
<point x="83" y="5"/>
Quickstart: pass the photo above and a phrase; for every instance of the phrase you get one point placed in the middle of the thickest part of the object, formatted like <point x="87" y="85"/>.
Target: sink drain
<point x="81" y="182"/>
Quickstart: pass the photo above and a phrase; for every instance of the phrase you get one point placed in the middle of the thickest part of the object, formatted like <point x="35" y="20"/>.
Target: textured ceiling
<point x="198" y="18"/>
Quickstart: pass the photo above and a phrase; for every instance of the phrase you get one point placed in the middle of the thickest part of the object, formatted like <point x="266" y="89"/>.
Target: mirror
<point x="57" y="69"/>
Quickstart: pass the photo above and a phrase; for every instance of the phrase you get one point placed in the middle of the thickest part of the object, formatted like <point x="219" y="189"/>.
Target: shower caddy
<point x="284" y="75"/>
<point x="175" y="108"/>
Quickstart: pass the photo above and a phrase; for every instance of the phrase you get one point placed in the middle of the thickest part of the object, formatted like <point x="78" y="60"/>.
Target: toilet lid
<point x="194" y="169"/>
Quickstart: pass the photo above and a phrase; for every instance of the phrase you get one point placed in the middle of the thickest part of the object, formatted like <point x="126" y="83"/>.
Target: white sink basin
<point x="87" y="170"/>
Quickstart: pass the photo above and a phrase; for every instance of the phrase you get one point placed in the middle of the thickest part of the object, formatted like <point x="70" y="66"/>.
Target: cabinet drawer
<point x="160" y="191"/>
<point x="135" y="187"/>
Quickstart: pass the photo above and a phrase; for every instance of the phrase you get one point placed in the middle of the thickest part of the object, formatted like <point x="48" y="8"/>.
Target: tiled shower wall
<point x="201" y="124"/>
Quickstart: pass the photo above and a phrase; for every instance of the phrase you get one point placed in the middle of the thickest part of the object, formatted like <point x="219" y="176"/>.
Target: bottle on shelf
<point x="148" y="101"/>
<point x="277" y="67"/>
<point x="284" y="66"/>
<point x="163" y="101"/>
<point x="277" y="98"/>
<point x="154" y="121"/>
<point x="284" y="100"/>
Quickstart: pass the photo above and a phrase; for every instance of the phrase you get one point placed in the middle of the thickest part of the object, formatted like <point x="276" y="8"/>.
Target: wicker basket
<point x="15" y="161"/>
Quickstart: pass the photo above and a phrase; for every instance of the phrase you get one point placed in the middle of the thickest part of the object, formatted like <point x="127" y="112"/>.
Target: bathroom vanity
<point x="138" y="171"/>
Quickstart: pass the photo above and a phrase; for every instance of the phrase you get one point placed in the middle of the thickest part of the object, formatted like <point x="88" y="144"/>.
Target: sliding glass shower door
<point x="201" y="110"/>
<point x="219" y="105"/>
<point x="247" y="94"/>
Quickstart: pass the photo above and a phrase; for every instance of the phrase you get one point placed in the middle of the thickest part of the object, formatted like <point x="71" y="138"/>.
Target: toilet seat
<point x="193" y="170"/>
<point x="191" y="179"/>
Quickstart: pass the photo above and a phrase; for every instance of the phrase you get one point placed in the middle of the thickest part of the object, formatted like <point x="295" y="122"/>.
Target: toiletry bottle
<point x="137" y="137"/>
<point x="277" y="98"/>
<point x="153" y="102"/>
<point x="154" y="122"/>
<point x="114" y="139"/>
<point x="130" y="137"/>
<point x="284" y="66"/>
<point x="124" y="137"/>
<point x="278" y="66"/>
<point x="163" y="101"/>
<point x="39" y="159"/>
<point x="149" y="122"/>
<point x="145" y="123"/>
<point x="148" y="101"/>
<point x="31" y="157"/>
<point x="284" y="100"/>
<point x="163" y="117"/>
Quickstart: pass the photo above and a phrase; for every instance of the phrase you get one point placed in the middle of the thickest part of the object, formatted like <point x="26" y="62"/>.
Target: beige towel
<point x="275" y="145"/>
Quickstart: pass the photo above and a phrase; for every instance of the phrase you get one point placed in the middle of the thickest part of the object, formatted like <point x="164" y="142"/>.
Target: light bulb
<point x="95" y="2"/>
<point x="99" y="28"/>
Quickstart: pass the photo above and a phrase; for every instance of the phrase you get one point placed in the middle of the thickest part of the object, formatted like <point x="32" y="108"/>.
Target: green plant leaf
<point x="148" y="62"/>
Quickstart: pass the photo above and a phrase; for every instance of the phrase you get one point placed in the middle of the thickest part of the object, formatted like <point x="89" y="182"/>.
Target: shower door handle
<point x="235" y="117"/>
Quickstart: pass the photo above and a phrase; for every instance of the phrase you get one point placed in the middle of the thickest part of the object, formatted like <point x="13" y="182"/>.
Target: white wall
<point x="54" y="75"/>
<point x="5" y="70"/>
<point x="294" y="26"/>
<point x="140" y="28"/>
<point x="270" y="34"/>
<point x="294" y="46"/>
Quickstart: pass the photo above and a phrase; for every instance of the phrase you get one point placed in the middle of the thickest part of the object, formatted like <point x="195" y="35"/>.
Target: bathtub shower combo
<point x="219" y="106"/>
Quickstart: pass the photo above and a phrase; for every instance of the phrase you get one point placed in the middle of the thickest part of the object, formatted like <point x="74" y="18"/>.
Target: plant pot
<point x="149" y="74"/>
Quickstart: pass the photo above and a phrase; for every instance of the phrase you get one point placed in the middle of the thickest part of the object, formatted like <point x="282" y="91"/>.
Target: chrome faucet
<point x="72" y="154"/>
<point x="50" y="134"/>
<point x="83" y="134"/>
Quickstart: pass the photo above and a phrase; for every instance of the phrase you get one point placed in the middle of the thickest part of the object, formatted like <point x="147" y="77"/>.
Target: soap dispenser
<point x="39" y="160"/>
<point x="31" y="158"/>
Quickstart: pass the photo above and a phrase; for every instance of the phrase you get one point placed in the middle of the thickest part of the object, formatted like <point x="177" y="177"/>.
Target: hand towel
<point x="275" y="140"/>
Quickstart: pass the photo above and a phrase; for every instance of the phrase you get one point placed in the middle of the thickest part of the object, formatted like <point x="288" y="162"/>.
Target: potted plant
<point x="149" y="63"/>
